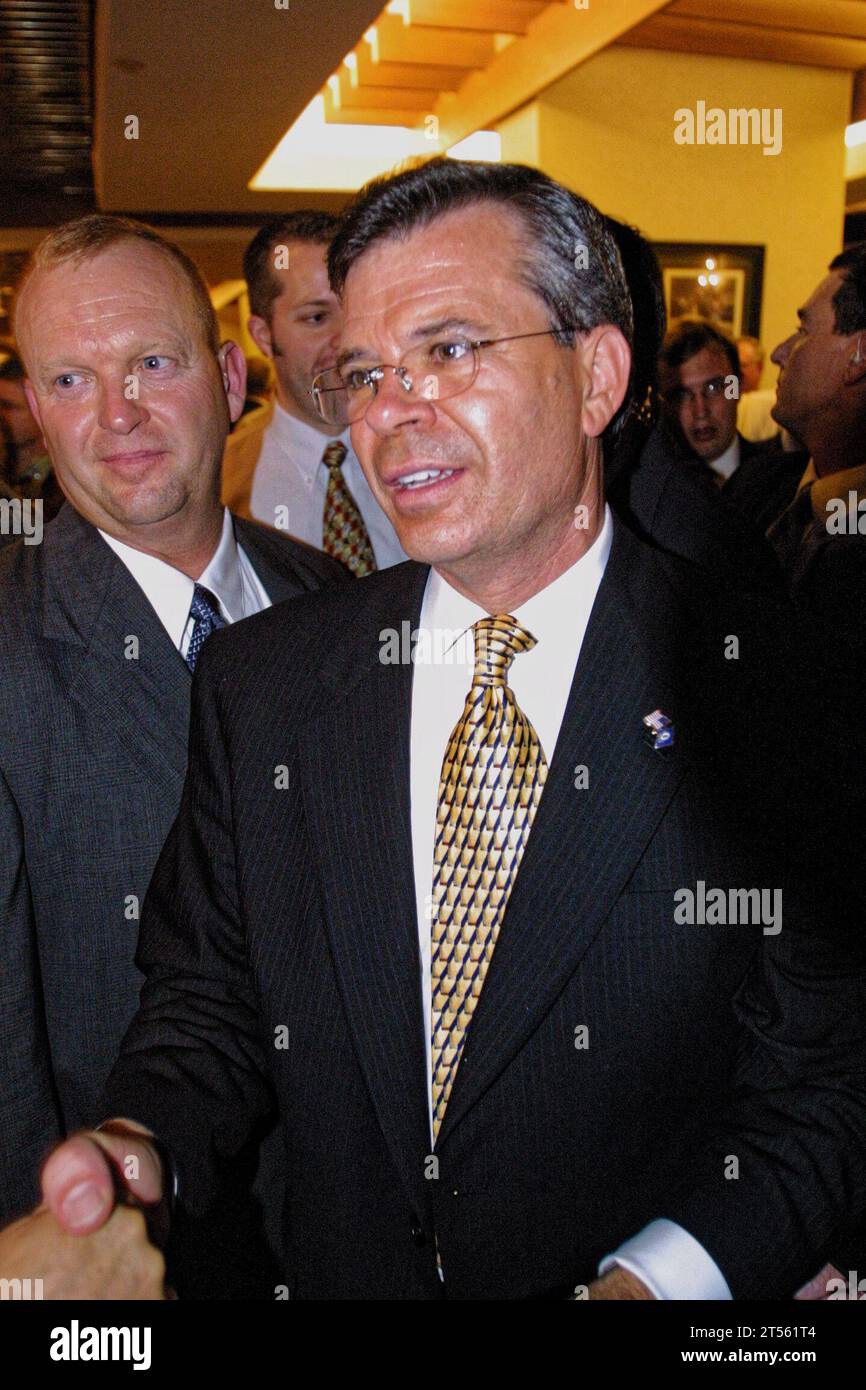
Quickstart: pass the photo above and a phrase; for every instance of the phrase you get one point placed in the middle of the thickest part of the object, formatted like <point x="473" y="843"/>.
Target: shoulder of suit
<point x="288" y="554"/>
<point x="21" y="580"/>
<point x="324" y="616"/>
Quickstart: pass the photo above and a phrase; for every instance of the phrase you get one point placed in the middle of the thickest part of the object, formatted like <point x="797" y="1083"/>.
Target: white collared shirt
<point x="671" y="1263"/>
<point x="726" y="465"/>
<point x="229" y="576"/>
<point x="290" y="475"/>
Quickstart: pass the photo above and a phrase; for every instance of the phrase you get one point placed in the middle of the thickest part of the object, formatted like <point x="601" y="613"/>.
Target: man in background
<point x="754" y="412"/>
<point x="699" y="378"/>
<point x="26" y="468"/>
<point x="100" y="629"/>
<point x="820" y="536"/>
<point x="284" y="465"/>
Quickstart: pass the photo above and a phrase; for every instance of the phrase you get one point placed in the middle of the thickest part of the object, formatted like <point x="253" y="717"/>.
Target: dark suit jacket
<point x="676" y="507"/>
<point x="93" y="751"/>
<point x="765" y="483"/>
<point x="280" y="945"/>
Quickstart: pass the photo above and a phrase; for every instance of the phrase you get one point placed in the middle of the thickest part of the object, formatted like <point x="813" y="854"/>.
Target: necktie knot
<point x="205" y="605"/>
<point x="498" y="641"/>
<point x="334" y="454"/>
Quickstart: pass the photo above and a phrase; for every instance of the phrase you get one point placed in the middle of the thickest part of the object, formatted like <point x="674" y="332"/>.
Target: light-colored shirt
<point x="727" y="463"/>
<point x="847" y="486"/>
<point x="290" y="483"/>
<point x="229" y="576"/>
<point x="754" y="420"/>
<point x="663" y="1255"/>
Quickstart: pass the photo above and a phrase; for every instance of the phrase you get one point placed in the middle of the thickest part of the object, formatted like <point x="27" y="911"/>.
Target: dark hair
<point x="646" y="288"/>
<point x="304" y="225"/>
<point x="569" y="257"/>
<point x="849" y="301"/>
<point x="690" y="336"/>
<point x="558" y="227"/>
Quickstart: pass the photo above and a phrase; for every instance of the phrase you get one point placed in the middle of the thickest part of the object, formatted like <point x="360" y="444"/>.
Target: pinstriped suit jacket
<point x="279" y="942"/>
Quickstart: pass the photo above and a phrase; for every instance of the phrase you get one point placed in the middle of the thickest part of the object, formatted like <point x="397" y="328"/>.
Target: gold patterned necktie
<point x="344" y="534"/>
<point x="492" y="778"/>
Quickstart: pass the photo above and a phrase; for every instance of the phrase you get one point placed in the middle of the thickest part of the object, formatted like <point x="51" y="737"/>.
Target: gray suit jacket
<point x="93" y="753"/>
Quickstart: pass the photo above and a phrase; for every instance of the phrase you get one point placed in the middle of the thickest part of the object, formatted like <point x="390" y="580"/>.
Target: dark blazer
<point x="280" y="945"/>
<point x="674" y="507"/>
<point x="93" y="750"/>
<point x="765" y="483"/>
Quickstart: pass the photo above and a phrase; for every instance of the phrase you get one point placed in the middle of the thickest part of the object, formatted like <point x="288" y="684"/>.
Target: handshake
<point x="104" y="1213"/>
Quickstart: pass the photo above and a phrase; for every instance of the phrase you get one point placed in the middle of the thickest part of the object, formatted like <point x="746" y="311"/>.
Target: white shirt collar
<point x="303" y="443"/>
<point x="445" y="609"/>
<point x="169" y="591"/>
<point x="728" y="462"/>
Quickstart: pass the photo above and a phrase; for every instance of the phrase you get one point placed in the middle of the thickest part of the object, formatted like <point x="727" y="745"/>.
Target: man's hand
<point x="85" y="1177"/>
<point x="90" y="1238"/>
<point x="116" y="1261"/>
<point x="619" y="1283"/>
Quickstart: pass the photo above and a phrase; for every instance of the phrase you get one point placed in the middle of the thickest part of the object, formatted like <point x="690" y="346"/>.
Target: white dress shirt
<point x="229" y="576"/>
<point x="670" y="1262"/>
<point x="726" y="465"/>
<point x="290" y="474"/>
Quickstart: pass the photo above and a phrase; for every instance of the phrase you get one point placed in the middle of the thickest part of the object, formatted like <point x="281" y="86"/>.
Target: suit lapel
<point x="584" y="843"/>
<point x="280" y="582"/>
<point x="92" y="604"/>
<point x="355" y="767"/>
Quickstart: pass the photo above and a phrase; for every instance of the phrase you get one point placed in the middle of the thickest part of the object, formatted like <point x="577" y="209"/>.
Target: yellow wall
<point x="607" y="129"/>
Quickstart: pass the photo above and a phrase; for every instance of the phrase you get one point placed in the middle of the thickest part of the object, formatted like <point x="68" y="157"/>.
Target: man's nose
<point x="700" y="405"/>
<point x="779" y="355"/>
<point x="394" y="405"/>
<point x="120" y="408"/>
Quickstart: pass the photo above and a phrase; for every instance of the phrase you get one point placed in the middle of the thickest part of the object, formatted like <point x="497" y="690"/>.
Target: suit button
<point x="416" y="1231"/>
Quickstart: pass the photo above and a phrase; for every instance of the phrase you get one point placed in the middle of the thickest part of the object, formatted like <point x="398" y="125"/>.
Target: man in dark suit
<point x="699" y="378"/>
<point x="462" y="942"/>
<point x="645" y="481"/>
<point x="100" y="626"/>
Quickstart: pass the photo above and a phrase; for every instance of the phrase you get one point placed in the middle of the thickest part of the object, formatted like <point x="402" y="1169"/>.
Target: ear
<point x="233" y="366"/>
<point x="32" y="401"/>
<point x="855" y="369"/>
<point x="260" y="332"/>
<point x="605" y="358"/>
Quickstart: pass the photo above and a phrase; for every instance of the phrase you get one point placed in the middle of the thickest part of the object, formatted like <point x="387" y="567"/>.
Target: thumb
<point x="85" y="1178"/>
<point x="78" y="1186"/>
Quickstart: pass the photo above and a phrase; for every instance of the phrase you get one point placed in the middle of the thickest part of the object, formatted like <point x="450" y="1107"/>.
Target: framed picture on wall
<point x="716" y="281"/>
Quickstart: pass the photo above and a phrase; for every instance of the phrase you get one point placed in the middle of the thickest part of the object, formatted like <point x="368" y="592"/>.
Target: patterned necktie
<point x="492" y="778"/>
<point x="205" y="610"/>
<point x="344" y="534"/>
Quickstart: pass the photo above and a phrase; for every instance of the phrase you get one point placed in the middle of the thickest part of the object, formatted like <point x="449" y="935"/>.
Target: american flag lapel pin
<point x="658" y="731"/>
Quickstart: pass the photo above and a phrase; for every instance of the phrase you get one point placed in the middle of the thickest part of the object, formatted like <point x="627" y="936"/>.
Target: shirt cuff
<point x="671" y="1263"/>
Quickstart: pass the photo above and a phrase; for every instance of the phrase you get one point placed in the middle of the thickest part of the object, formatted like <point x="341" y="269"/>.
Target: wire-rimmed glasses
<point x="436" y="370"/>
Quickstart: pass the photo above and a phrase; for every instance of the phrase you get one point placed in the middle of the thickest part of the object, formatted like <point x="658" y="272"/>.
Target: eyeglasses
<point x="710" y="391"/>
<point x="434" y="371"/>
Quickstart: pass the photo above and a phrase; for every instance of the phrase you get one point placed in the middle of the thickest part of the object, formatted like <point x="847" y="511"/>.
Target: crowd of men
<point x="328" y="975"/>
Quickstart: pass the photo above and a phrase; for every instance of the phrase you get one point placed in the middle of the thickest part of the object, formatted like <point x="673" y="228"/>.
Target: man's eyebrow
<point x="314" y="304"/>
<point x="147" y="347"/>
<point x="454" y="323"/>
